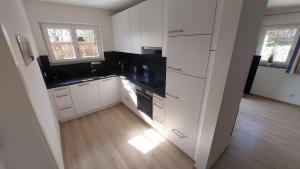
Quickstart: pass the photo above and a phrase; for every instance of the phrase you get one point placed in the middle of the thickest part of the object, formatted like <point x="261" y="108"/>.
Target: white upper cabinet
<point x="189" y="54"/>
<point x="116" y="23"/>
<point x="165" y="28"/>
<point x="189" y="17"/>
<point x="135" y="29"/>
<point x="152" y="23"/>
<point x="121" y="31"/>
<point x="85" y="97"/>
<point x="108" y="90"/>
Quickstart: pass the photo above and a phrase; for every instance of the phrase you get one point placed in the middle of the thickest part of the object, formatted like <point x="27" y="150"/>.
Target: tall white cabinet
<point x="190" y="32"/>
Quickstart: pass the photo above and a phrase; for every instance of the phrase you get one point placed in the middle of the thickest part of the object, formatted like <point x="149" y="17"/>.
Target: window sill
<point x="273" y="65"/>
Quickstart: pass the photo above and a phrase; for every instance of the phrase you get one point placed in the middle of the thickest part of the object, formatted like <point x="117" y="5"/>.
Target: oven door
<point x="145" y="103"/>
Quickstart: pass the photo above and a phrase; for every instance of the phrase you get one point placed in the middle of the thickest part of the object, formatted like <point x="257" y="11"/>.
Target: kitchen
<point x="141" y="66"/>
<point x="166" y="92"/>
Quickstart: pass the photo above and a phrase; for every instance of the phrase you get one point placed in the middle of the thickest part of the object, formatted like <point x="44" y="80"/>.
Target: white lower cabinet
<point x="128" y="95"/>
<point x="62" y="101"/>
<point x="109" y="91"/>
<point x="85" y="97"/>
<point x="182" y="110"/>
<point x="159" y="113"/>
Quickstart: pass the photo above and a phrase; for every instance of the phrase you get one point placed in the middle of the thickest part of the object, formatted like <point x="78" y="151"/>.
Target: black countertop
<point x="153" y="84"/>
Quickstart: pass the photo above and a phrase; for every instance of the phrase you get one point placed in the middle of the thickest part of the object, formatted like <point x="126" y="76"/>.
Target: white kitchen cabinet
<point x="66" y="112"/>
<point x="182" y="110"/>
<point x="158" y="113"/>
<point x="121" y="31"/>
<point x="129" y="96"/>
<point x="152" y="23"/>
<point x="189" y="54"/>
<point x="190" y="17"/>
<point x="165" y="28"/>
<point x="217" y="25"/>
<point x="85" y="97"/>
<point x="62" y="102"/>
<point x="108" y="91"/>
<point x="135" y="29"/>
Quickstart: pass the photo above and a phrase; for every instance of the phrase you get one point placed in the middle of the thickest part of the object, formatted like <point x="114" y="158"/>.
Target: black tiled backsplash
<point x="156" y="63"/>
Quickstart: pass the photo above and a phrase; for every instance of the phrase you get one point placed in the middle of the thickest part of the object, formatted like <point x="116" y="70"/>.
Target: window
<point x="278" y="42"/>
<point x="72" y="43"/>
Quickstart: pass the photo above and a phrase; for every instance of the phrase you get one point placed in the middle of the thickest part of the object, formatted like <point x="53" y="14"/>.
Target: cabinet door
<point x="129" y="97"/>
<point x="152" y="23"/>
<point x="182" y="110"/>
<point x="165" y="27"/>
<point x="189" y="54"/>
<point x="191" y="17"/>
<point x="85" y="97"/>
<point x="121" y="31"/>
<point x="116" y="26"/>
<point x="135" y="29"/>
<point x="125" y="32"/>
<point x="109" y="93"/>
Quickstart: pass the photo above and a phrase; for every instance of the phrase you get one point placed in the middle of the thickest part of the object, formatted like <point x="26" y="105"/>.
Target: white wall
<point x="274" y="82"/>
<point x="21" y="144"/>
<point x="13" y="18"/>
<point x="59" y="13"/>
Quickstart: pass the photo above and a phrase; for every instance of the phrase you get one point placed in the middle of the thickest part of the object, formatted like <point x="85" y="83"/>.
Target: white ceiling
<point x="122" y="4"/>
<point x="102" y="4"/>
<point x="283" y="3"/>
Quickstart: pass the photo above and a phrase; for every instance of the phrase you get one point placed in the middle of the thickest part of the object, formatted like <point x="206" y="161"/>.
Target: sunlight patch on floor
<point x="146" y="141"/>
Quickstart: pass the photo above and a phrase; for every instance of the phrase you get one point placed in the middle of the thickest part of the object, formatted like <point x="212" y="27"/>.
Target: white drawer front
<point x="159" y="110"/>
<point x="66" y="112"/>
<point x="62" y="99"/>
<point x="158" y="124"/>
<point x="60" y="91"/>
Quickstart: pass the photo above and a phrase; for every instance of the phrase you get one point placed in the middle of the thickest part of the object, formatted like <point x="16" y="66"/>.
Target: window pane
<point x="87" y="43"/>
<point x="278" y="42"/>
<point x="61" y="43"/>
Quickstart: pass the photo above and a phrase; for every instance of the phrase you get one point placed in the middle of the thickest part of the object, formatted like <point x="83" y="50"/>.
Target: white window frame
<point x="72" y="27"/>
<point x="262" y="39"/>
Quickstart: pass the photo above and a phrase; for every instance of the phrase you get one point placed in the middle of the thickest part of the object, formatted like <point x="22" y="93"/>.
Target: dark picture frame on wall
<point x="25" y="49"/>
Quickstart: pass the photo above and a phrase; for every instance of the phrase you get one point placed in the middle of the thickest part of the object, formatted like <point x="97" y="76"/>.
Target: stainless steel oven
<point x="144" y="100"/>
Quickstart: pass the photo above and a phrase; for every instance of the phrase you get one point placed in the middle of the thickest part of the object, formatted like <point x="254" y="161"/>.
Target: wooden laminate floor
<point x="266" y="136"/>
<point x="100" y="141"/>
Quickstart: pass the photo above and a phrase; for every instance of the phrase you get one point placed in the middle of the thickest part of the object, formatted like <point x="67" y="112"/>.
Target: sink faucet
<point x="93" y="68"/>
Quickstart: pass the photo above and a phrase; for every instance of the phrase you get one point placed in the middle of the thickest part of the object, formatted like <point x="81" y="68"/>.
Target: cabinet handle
<point x="161" y="107"/>
<point x="62" y="96"/>
<point x="178" y="133"/>
<point x="175" y="97"/>
<point x="59" y="89"/>
<point x="176" y="31"/>
<point x="66" y="108"/>
<point x="173" y="68"/>
<point x="83" y="84"/>
<point x="158" y="98"/>
<point x="157" y="119"/>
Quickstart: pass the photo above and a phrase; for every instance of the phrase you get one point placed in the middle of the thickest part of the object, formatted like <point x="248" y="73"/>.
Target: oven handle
<point x="147" y="96"/>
